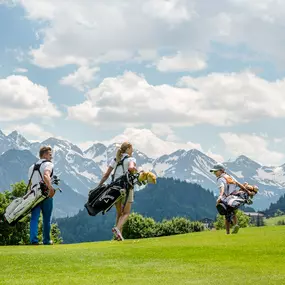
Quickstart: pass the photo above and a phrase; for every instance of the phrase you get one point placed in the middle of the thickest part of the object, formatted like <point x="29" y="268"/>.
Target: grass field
<point x="253" y="256"/>
<point x="273" y="221"/>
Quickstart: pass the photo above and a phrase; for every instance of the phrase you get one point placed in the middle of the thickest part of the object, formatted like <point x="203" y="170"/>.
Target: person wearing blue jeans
<point x="46" y="208"/>
<point x="43" y="174"/>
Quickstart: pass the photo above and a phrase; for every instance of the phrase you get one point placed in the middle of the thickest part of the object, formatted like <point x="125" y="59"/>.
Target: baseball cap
<point x="217" y="167"/>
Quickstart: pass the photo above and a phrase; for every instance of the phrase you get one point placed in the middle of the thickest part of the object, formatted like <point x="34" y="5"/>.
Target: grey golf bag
<point x="22" y="206"/>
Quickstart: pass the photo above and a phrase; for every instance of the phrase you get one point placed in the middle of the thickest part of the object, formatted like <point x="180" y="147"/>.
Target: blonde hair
<point x="124" y="146"/>
<point x="43" y="150"/>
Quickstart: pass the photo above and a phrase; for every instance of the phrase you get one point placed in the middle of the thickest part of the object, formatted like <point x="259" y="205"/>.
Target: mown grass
<point x="273" y="221"/>
<point x="253" y="256"/>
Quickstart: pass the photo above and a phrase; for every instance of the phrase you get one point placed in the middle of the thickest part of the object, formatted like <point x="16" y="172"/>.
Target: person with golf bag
<point x="40" y="175"/>
<point x="121" y="164"/>
<point x="227" y="185"/>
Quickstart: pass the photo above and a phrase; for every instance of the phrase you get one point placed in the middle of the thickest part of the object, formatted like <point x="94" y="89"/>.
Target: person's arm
<point x="106" y="175"/>
<point x="132" y="165"/>
<point x="242" y="187"/>
<point x="47" y="180"/>
<point x="222" y="190"/>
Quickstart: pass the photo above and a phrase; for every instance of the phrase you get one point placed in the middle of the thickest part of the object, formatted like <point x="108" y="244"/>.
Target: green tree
<point x="278" y="213"/>
<point x="243" y="220"/>
<point x="20" y="233"/>
<point x="139" y="226"/>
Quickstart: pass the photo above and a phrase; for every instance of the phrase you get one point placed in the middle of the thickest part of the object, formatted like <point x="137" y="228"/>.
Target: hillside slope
<point x="196" y="258"/>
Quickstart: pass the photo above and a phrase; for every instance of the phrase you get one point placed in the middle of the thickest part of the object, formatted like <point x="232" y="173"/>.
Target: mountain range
<point x="80" y="170"/>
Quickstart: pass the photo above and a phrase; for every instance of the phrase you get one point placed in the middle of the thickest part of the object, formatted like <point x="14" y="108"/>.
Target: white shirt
<point x="228" y="188"/>
<point x="119" y="171"/>
<point x="36" y="176"/>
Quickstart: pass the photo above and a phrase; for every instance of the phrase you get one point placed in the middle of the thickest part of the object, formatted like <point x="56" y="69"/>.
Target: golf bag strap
<point x="37" y="167"/>
<point x="121" y="162"/>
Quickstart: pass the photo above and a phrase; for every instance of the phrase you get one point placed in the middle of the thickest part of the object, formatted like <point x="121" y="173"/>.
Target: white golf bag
<point x="22" y="206"/>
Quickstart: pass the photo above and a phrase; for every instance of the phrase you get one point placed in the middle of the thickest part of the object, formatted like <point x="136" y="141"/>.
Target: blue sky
<point x="179" y="68"/>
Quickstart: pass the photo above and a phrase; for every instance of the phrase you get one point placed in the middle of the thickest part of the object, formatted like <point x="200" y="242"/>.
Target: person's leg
<point x="228" y="225"/>
<point x="118" y="214"/>
<point x="236" y="226"/>
<point x="126" y="211"/>
<point x="47" y="206"/>
<point x="118" y="211"/>
<point x="34" y="222"/>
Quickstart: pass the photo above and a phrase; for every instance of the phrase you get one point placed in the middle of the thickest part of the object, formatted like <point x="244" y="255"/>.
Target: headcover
<point x="147" y="177"/>
<point x="253" y="188"/>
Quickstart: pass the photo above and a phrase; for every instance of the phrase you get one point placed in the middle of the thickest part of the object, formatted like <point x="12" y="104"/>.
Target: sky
<point x="190" y="72"/>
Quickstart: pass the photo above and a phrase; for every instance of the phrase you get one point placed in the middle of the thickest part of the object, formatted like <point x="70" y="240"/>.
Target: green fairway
<point x="273" y="221"/>
<point x="253" y="256"/>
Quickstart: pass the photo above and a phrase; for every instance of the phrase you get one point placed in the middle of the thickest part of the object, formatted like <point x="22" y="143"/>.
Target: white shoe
<point x="117" y="233"/>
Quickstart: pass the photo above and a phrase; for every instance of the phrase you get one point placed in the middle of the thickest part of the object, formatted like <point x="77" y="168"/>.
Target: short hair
<point x="43" y="150"/>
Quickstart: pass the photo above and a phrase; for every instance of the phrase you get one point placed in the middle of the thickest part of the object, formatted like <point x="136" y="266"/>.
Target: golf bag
<point x="102" y="198"/>
<point x="229" y="204"/>
<point x="22" y="206"/>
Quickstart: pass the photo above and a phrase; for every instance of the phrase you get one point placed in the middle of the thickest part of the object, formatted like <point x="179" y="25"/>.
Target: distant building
<point x="208" y="223"/>
<point x="256" y="218"/>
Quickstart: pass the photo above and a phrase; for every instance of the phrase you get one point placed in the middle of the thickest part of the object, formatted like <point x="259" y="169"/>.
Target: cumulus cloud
<point x="217" y="99"/>
<point x="181" y="62"/>
<point x="20" y="98"/>
<point x="31" y="131"/>
<point x="163" y="130"/>
<point x="150" y="144"/>
<point x="81" y="31"/>
<point x="255" y="147"/>
<point x="80" y="78"/>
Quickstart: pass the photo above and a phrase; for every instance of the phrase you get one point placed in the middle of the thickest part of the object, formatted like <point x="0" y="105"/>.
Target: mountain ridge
<point x="82" y="170"/>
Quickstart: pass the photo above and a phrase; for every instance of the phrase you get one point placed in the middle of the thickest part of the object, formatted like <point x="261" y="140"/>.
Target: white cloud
<point x="79" y="31"/>
<point x="20" y="98"/>
<point x="255" y="147"/>
<point x="172" y="11"/>
<point x="147" y="142"/>
<point x="85" y="145"/>
<point x="21" y="70"/>
<point x="181" y="62"/>
<point x="216" y="99"/>
<point x="30" y="131"/>
<point x="217" y="157"/>
<point x="278" y="140"/>
<point x="163" y="130"/>
<point x="80" y="78"/>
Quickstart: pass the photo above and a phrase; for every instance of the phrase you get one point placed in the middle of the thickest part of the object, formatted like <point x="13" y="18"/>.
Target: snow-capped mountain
<point x="79" y="172"/>
<point x="19" y="141"/>
<point x="83" y="170"/>
<point x="191" y="166"/>
<point x="14" y="165"/>
<point x="6" y="142"/>
<point x="102" y="155"/>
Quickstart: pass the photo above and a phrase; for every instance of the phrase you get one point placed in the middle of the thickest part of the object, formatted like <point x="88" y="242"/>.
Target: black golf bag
<point x="102" y="198"/>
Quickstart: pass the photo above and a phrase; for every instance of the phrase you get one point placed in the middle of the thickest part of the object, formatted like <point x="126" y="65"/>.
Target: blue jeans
<point x="46" y="207"/>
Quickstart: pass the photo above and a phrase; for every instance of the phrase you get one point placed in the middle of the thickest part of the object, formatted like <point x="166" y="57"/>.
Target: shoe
<point x="117" y="233"/>
<point x="35" y="243"/>
<point x="49" y="243"/>
<point x="235" y="229"/>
